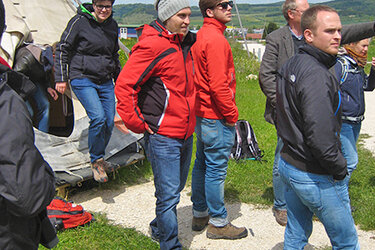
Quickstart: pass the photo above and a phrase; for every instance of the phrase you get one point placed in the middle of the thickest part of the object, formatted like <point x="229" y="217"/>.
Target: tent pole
<point x="242" y="30"/>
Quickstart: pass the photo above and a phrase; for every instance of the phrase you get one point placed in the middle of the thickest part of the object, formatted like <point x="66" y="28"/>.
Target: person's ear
<point x="290" y="14"/>
<point x="309" y="36"/>
<point x="210" y="13"/>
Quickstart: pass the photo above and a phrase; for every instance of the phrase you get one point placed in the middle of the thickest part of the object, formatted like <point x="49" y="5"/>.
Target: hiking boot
<point x="108" y="166"/>
<point x="98" y="171"/>
<point x="280" y="216"/>
<point x="228" y="232"/>
<point x="199" y="223"/>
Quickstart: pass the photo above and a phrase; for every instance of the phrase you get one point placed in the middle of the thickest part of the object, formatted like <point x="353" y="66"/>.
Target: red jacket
<point x="156" y="86"/>
<point x="214" y="77"/>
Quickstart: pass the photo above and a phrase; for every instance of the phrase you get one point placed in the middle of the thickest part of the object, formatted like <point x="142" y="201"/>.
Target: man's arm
<point x="134" y="74"/>
<point x="318" y="114"/>
<point x="357" y="32"/>
<point x="221" y="80"/>
<point x="268" y="70"/>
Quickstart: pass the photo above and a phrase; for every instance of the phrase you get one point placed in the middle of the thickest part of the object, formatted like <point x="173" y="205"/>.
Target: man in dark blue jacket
<point x="308" y="121"/>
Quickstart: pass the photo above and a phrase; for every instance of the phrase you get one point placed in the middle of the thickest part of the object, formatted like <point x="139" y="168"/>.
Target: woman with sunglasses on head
<point x="217" y="114"/>
<point x="87" y="56"/>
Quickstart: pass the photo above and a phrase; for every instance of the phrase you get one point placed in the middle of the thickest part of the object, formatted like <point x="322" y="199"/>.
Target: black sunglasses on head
<point x="225" y="5"/>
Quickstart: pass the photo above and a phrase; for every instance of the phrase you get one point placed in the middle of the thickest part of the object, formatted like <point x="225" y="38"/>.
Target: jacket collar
<point x="214" y="23"/>
<point x="326" y="59"/>
<point x="86" y="10"/>
<point x="159" y="27"/>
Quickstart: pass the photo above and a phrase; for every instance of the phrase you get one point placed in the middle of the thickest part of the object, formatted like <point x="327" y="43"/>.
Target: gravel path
<point x="134" y="207"/>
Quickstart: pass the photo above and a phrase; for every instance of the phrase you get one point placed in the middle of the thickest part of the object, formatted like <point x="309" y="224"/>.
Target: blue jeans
<point x="279" y="187"/>
<point x="42" y="108"/>
<point x="99" y="103"/>
<point x="307" y="194"/>
<point x="170" y="160"/>
<point x="214" y="143"/>
<point x="349" y="136"/>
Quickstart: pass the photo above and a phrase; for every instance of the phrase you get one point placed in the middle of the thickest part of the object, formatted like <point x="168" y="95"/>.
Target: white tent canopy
<point x="40" y="21"/>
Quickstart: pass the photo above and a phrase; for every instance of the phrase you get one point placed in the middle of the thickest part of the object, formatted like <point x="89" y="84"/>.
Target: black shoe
<point x="199" y="223"/>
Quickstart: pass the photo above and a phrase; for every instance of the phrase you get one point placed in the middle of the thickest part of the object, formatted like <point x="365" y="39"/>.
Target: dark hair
<point x="308" y="20"/>
<point x="2" y="18"/>
<point x="207" y="4"/>
<point x="95" y="1"/>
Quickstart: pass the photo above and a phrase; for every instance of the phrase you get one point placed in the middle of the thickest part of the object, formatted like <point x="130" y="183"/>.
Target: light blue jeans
<point x="279" y="187"/>
<point x="99" y="103"/>
<point x="170" y="160"/>
<point x="349" y="136"/>
<point x="308" y="194"/>
<point x="42" y="108"/>
<point x="214" y="143"/>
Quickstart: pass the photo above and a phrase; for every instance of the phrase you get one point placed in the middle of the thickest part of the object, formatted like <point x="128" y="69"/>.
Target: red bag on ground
<point x="64" y="214"/>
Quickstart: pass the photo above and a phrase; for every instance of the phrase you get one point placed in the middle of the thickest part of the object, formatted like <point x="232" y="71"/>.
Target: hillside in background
<point x="252" y="16"/>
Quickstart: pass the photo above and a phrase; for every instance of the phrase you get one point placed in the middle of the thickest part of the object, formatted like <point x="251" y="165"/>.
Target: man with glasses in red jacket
<point x="217" y="114"/>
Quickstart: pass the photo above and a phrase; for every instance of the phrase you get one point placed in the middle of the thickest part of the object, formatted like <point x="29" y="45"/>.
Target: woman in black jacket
<point x="87" y="55"/>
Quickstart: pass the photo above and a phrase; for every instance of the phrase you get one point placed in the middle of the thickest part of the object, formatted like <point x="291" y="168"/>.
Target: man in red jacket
<point x="217" y="114"/>
<point x="156" y="96"/>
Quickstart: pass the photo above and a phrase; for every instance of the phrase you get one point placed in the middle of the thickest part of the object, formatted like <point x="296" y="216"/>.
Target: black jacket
<point x="88" y="49"/>
<point x="26" y="179"/>
<point x="309" y="113"/>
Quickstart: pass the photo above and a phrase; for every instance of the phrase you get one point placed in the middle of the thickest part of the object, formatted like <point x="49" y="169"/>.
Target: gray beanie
<point x="167" y="8"/>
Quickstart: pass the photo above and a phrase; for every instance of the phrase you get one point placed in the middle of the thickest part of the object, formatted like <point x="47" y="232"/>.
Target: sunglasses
<point x="101" y="7"/>
<point x="225" y="5"/>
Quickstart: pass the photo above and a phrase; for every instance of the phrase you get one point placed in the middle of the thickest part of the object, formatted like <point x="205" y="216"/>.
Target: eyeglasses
<point x="101" y="7"/>
<point x="225" y="5"/>
<point x="299" y="11"/>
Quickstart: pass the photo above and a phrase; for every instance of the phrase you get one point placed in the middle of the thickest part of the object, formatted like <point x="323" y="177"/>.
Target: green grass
<point x="247" y="181"/>
<point x="362" y="189"/>
<point x="103" y="235"/>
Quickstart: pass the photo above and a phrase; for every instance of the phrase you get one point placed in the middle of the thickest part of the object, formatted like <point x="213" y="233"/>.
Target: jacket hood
<point x="86" y="10"/>
<point x="326" y="59"/>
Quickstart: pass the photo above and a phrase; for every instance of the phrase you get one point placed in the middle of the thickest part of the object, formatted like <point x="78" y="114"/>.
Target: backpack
<point x="64" y="214"/>
<point x="245" y="143"/>
<point x="345" y="68"/>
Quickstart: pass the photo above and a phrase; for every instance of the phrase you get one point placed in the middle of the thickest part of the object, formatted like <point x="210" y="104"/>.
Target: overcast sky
<point x="195" y="2"/>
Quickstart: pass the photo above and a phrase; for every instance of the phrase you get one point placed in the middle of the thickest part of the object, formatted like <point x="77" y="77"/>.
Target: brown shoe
<point x="98" y="171"/>
<point x="280" y="216"/>
<point x="199" y="223"/>
<point x="108" y="166"/>
<point x="229" y="232"/>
